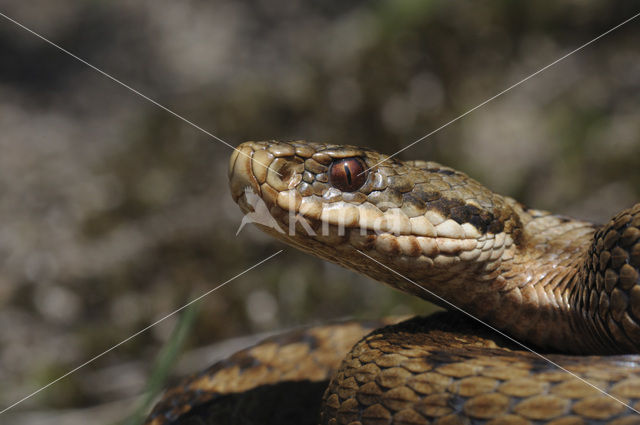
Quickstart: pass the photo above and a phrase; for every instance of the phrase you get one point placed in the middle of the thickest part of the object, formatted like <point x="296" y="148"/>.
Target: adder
<point x="538" y="282"/>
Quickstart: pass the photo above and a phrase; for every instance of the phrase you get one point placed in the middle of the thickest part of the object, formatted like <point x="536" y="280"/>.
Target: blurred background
<point x="114" y="213"/>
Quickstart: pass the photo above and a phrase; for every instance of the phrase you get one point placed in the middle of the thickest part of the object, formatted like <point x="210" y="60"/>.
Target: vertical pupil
<point x="347" y="172"/>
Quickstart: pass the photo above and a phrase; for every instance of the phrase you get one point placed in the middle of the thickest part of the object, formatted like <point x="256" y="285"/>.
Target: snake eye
<point x="348" y="174"/>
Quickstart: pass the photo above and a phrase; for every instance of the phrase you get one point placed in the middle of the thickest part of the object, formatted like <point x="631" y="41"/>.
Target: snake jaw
<point x="398" y="216"/>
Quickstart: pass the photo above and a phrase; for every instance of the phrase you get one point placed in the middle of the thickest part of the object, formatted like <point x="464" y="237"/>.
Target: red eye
<point x="347" y="174"/>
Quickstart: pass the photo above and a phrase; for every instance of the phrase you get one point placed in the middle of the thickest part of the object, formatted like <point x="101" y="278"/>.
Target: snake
<point x="543" y="318"/>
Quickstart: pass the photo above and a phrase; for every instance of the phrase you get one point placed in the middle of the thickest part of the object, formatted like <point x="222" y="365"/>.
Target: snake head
<point x="419" y="218"/>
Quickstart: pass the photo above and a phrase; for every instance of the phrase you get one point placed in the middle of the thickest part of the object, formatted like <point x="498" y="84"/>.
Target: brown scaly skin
<point x="552" y="282"/>
<point x="445" y="369"/>
<point x="280" y="377"/>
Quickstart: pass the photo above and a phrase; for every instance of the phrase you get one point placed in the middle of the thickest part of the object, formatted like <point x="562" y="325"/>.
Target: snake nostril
<point x="289" y="172"/>
<point x="286" y="172"/>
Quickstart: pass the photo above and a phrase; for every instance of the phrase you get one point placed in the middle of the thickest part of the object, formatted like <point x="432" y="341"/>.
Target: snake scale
<point x="567" y="288"/>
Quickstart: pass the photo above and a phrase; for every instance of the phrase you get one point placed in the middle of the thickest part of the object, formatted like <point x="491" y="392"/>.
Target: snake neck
<point x="570" y="285"/>
<point x="540" y="283"/>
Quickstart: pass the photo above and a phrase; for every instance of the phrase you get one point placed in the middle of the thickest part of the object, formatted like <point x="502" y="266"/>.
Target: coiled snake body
<point x="556" y="284"/>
